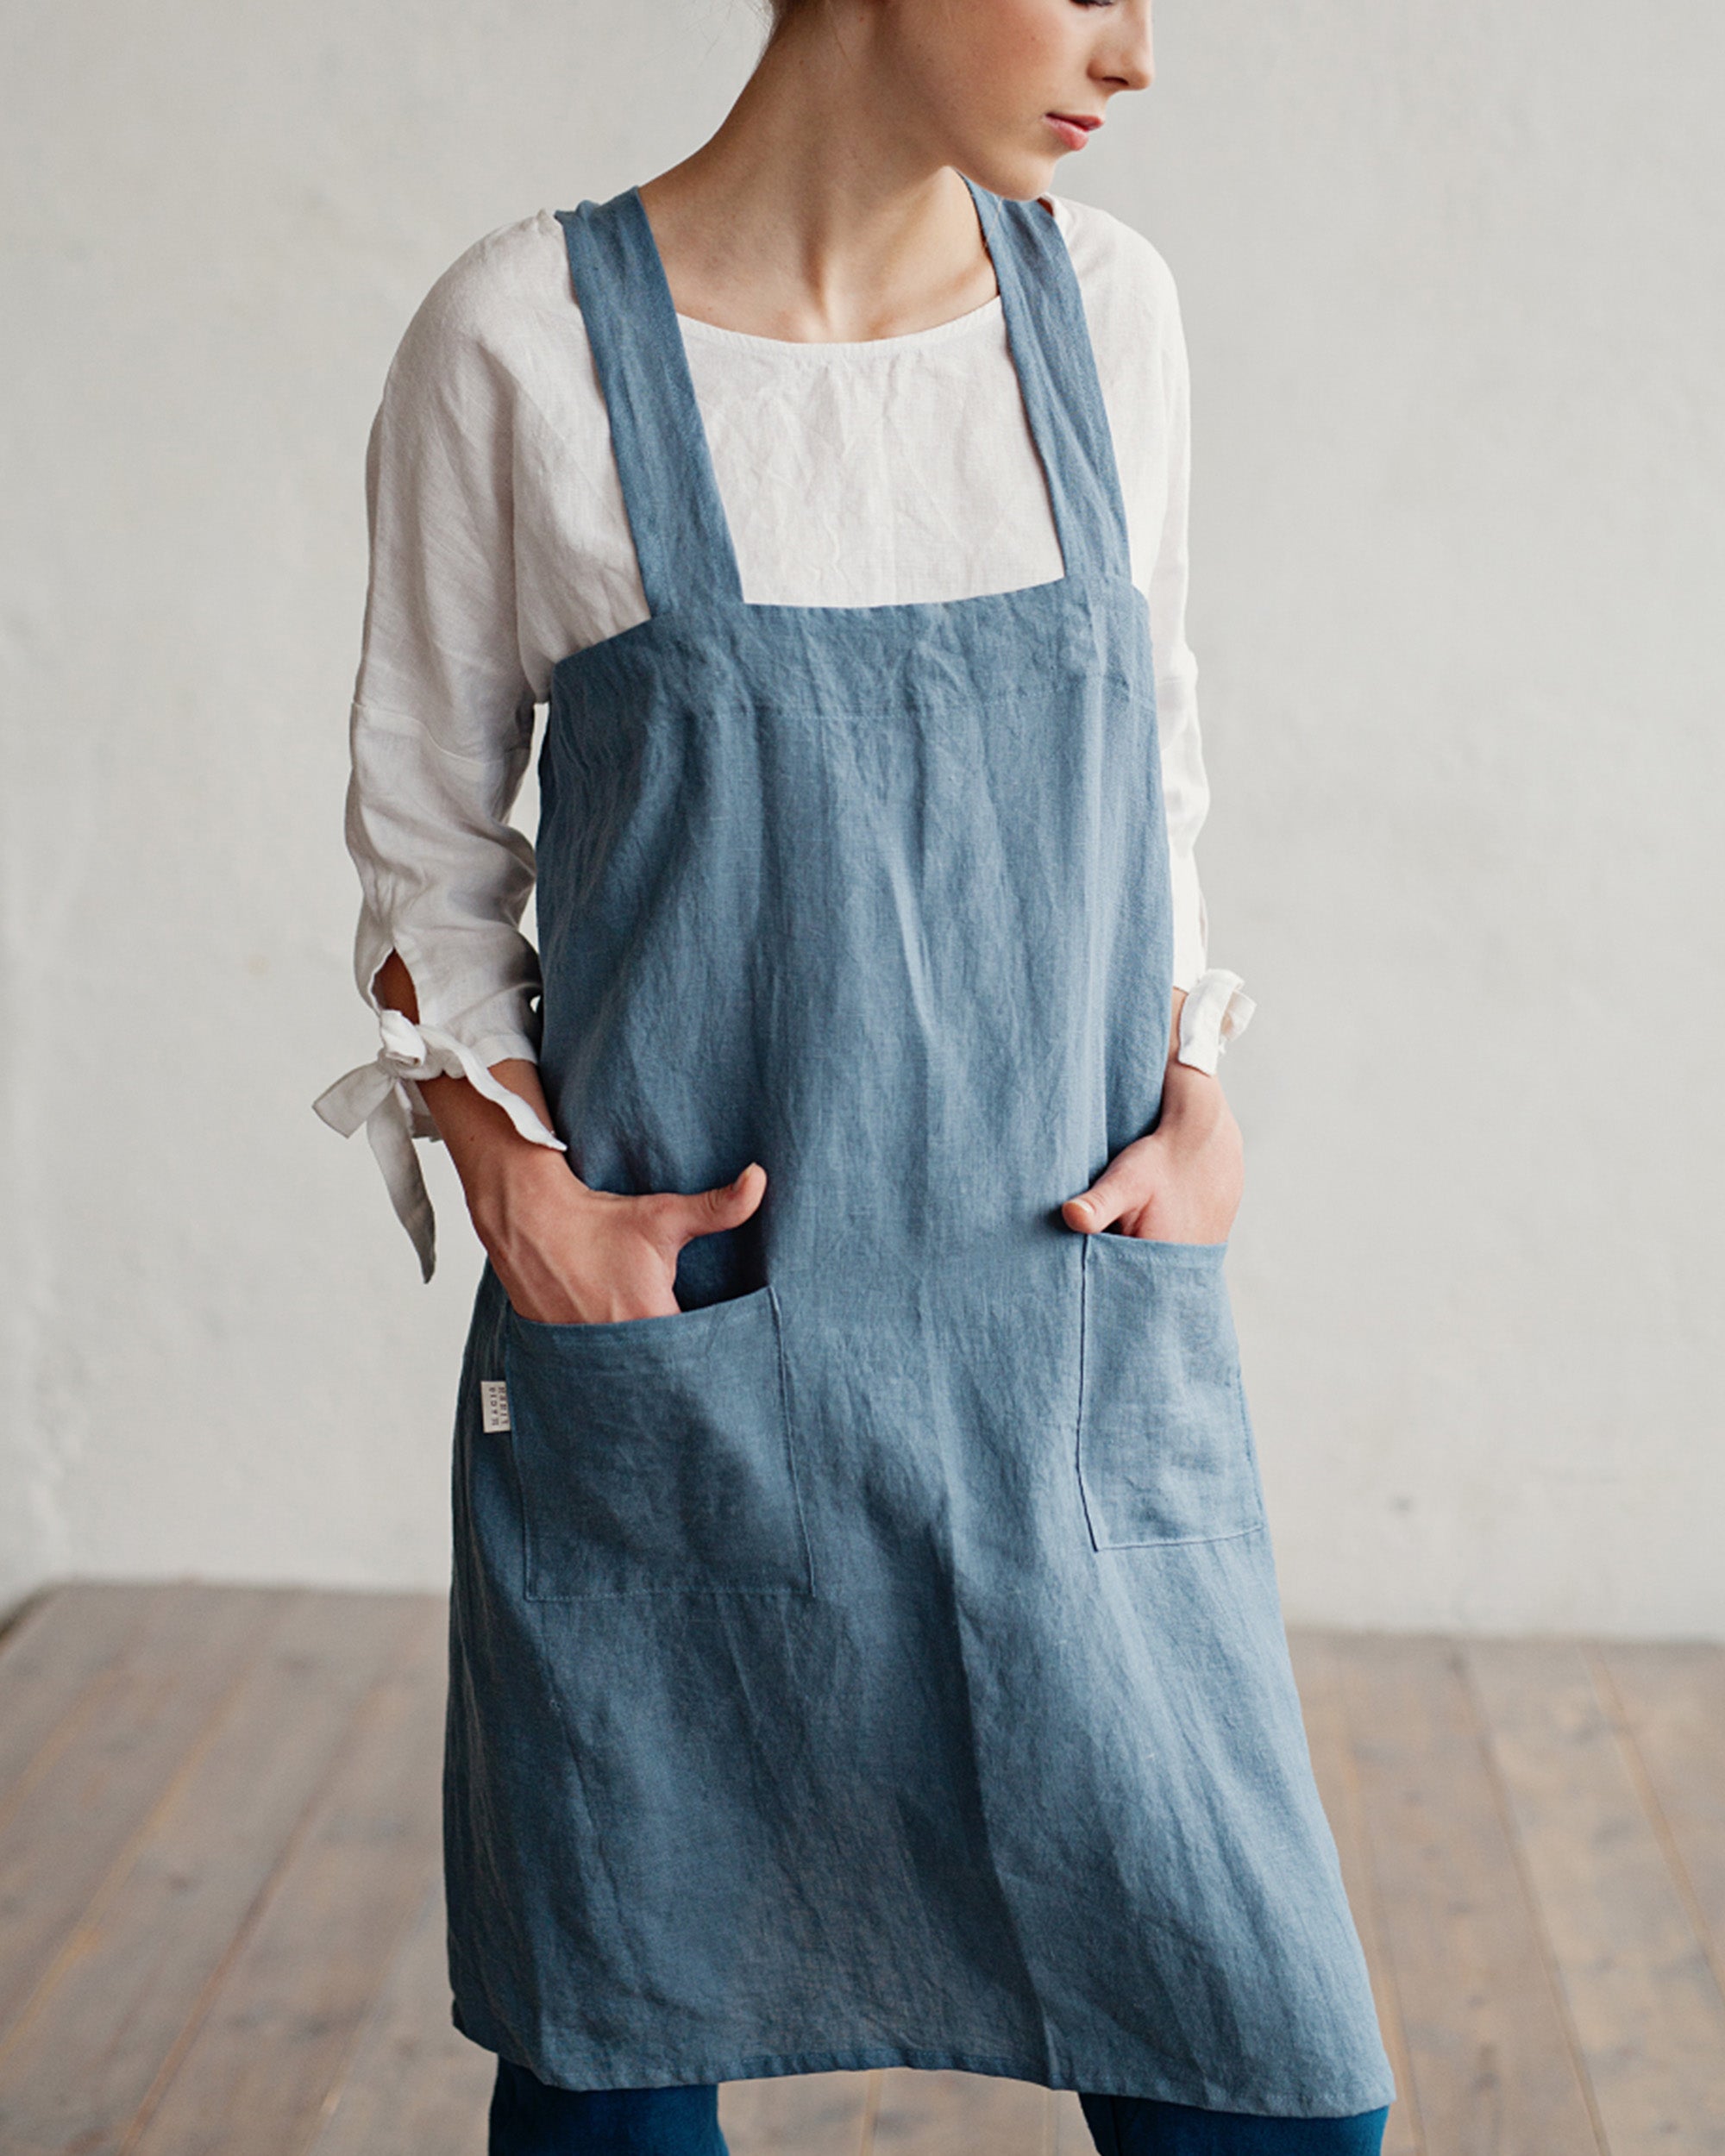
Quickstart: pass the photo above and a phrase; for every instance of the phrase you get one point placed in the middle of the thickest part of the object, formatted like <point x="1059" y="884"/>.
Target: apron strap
<point x="1058" y="379"/>
<point x="682" y="540"/>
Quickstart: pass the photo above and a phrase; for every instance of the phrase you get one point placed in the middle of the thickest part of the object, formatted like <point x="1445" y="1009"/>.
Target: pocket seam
<point x="1239" y="1417"/>
<point x="787" y="1453"/>
<point x="1194" y="1542"/>
<point x="532" y="1330"/>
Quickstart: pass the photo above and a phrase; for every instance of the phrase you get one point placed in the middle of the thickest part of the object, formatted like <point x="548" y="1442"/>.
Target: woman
<point x="865" y="1648"/>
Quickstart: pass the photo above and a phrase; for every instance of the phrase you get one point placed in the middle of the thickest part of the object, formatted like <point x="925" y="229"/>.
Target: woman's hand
<point x="1181" y="1184"/>
<point x="566" y="1254"/>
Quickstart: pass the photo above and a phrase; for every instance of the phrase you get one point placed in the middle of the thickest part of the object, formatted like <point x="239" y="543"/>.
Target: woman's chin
<point x="1018" y="175"/>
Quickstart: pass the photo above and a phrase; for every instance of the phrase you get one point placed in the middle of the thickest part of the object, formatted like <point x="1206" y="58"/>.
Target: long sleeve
<point x="1216" y="1008"/>
<point x="440" y="731"/>
<point x="1185" y="786"/>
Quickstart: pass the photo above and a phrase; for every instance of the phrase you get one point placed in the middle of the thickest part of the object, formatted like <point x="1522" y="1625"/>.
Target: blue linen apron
<point x="880" y="1662"/>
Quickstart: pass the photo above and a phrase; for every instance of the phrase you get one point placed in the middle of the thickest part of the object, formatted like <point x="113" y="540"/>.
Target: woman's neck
<point x="819" y="212"/>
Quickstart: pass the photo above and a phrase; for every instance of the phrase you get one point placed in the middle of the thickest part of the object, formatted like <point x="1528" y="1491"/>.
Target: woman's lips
<point x="1074" y="128"/>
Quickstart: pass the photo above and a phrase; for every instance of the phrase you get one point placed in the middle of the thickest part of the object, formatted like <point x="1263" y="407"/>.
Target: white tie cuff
<point x="1215" y="1012"/>
<point x="383" y="1095"/>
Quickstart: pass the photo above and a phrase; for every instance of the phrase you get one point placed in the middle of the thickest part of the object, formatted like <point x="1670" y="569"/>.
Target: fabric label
<point x="494" y="1404"/>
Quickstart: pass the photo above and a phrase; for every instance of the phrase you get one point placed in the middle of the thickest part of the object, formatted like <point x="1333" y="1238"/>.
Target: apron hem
<point x="875" y="2058"/>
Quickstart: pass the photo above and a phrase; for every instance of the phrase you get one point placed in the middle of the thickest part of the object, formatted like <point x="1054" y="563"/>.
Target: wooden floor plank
<point x="74" y="1820"/>
<point x="957" y="2114"/>
<point x="1068" y="2134"/>
<point x="52" y="1658"/>
<point x="131" y="1972"/>
<point x="1670" y="1698"/>
<point x="1317" y="1671"/>
<point x="1642" y="1994"/>
<point x="221" y="1922"/>
<point x="1493" y="2064"/>
<point x="253" y="2077"/>
<point x="798" y="2114"/>
<point x="414" y="2085"/>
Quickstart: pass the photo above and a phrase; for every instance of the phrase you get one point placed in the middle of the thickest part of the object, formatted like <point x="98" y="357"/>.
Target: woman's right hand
<point x="568" y="1255"/>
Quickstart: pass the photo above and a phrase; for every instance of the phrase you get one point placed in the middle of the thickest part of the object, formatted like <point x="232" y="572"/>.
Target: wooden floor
<point x="221" y="1930"/>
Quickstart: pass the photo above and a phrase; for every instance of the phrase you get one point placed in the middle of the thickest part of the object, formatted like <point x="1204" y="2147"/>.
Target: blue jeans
<point x="528" y="2119"/>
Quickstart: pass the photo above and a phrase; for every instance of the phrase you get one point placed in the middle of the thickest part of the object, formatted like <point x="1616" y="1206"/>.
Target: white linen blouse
<point x="896" y="471"/>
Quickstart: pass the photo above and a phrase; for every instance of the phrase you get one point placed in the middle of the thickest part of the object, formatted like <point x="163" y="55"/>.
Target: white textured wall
<point x="1452" y="281"/>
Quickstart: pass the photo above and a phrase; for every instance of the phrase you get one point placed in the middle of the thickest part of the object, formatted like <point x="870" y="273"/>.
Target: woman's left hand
<point x="1181" y="1184"/>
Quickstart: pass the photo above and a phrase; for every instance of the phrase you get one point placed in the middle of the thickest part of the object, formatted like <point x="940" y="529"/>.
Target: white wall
<point x="1452" y="276"/>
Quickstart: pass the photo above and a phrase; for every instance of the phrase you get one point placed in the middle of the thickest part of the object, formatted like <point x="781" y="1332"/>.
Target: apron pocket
<point x="655" y="1454"/>
<point x="1165" y="1450"/>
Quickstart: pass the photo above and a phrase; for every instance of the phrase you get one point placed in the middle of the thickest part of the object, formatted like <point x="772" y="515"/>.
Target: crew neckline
<point x="937" y="333"/>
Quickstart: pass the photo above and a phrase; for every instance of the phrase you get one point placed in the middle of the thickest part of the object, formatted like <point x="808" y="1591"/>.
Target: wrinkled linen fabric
<point x="878" y="1661"/>
<point x="896" y="471"/>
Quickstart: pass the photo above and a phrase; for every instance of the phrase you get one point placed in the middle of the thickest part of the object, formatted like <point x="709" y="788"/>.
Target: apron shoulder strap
<point x="682" y="540"/>
<point x="1058" y="379"/>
